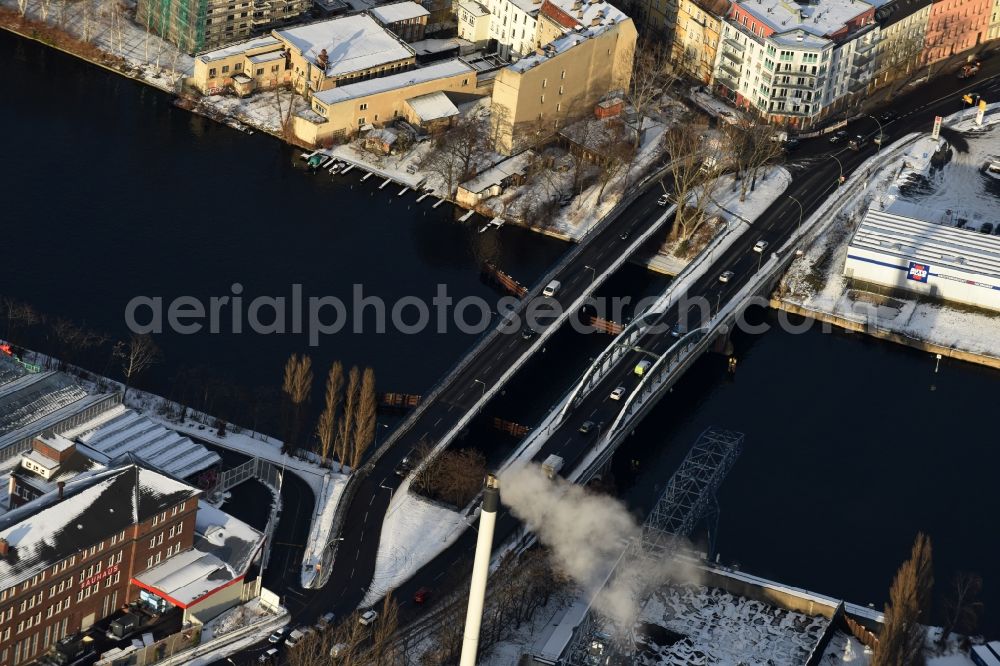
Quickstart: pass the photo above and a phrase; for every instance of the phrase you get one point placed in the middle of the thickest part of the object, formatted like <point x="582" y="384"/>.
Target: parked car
<point x="420" y="596"/>
<point x="624" y="235"/>
<point x="760" y="246"/>
<point x="527" y="333"/>
<point x="664" y="200"/>
<point x="726" y="276"/>
<point x="325" y="620"/>
<point x="294" y="637"/>
<point x="881" y="139"/>
<point x="790" y="145"/>
<point x="887" y="116"/>
<point x="368" y="617"/>
<point x="838" y="137"/>
<point x="617" y="393"/>
<point x="586" y="427"/>
<point x="338" y="650"/>
<point x="987" y="228"/>
<point x="268" y="657"/>
<point x="278" y="635"/>
<point x="969" y="70"/>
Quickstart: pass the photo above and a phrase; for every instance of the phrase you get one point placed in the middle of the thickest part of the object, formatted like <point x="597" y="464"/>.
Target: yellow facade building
<point x="563" y="80"/>
<point x="340" y="113"/>
<point x="696" y="36"/>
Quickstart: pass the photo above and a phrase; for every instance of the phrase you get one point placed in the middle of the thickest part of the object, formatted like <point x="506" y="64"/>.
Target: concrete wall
<point x="213" y="606"/>
<point x="774" y="594"/>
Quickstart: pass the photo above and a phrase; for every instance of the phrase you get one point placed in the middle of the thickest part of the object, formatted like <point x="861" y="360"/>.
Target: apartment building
<point x="474" y="22"/>
<point x="563" y="80"/>
<point x="902" y="31"/>
<point x="697" y="36"/>
<point x="955" y="26"/>
<point x="512" y="24"/>
<point x="196" y="25"/>
<point x="67" y="558"/>
<point x="312" y="57"/>
<point x="994" y="29"/>
<point x="793" y="65"/>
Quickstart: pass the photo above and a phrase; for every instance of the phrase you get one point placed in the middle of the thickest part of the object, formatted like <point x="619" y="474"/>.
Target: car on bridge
<point x="278" y="635"/>
<point x="664" y="200"/>
<point x="643" y="366"/>
<point x="527" y="333"/>
<point x="726" y="276"/>
<point x="760" y="246"/>
<point x="586" y="427"/>
<point x="858" y="142"/>
<point x="617" y="393"/>
<point x="268" y="657"/>
<point x="552" y="288"/>
<point x="881" y="139"/>
<point x="368" y="618"/>
<point x="420" y="596"/>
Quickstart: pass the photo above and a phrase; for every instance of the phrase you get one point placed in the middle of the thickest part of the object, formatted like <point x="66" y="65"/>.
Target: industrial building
<point x="932" y="260"/>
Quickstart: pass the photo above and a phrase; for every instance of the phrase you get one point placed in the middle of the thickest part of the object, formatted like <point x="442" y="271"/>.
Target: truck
<point x="124" y="626"/>
<point x="70" y="649"/>
<point x="552" y="465"/>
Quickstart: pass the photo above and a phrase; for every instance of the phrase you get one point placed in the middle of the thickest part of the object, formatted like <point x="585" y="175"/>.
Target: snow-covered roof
<point x="221" y="555"/>
<point x="821" y="18"/>
<point x="432" y="106"/>
<point x="398" y="11"/>
<point x="499" y="172"/>
<point x="94" y="506"/>
<point x="31" y="396"/>
<point x="385" y="83"/>
<point x="10" y="369"/>
<point x="598" y="17"/>
<point x="352" y="43"/>
<point x="428" y="46"/>
<point x="131" y="432"/>
<point x="963" y="250"/>
<point x="238" y="48"/>
<point x="474" y="8"/>
<point x="267" y="56"/>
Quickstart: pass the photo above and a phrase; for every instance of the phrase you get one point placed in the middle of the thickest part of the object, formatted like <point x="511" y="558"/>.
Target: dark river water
<point x="852" y="446"/>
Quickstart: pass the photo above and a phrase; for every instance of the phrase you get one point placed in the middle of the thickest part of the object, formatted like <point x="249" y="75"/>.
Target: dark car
<point x="887" y="116"/>
<point x="790" y="144"/>
<point x="586" y="427"/>
<point x="987" y="228"/>
<point x="838" y="137"/>
<point x="420" y="596"/>
<point x="858" y="142"/>
<point x="527" y="333"/>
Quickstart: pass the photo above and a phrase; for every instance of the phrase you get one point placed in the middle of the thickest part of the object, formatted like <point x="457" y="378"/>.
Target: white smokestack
<point x="480" y="570"/>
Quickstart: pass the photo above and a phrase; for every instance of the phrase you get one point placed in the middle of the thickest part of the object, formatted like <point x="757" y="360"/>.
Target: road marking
<point x="435" y="425"/>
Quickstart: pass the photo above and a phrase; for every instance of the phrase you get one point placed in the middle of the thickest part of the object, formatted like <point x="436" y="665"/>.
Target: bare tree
<point x="18" y="315"/>
<point x="364" y="418"/>
<point x="962" y="606"/>
<point x="652" y="74"/>
<point x="296" y="387"/>
<point x="454" y="154"/>
<point x="693" y="170"/>
<point x="751" y="148"/>
<point x="345" y="429"/>
<point x="136" y="356"/>
<point x="326" y="428"/>
<point x="385" y="650"/>
<point x="22" y="7"/>
<point x="454" y="477"/>
<point x="903" y="637"/>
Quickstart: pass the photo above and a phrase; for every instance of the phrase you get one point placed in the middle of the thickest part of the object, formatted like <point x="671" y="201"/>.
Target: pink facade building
<point x="955" y="26"/>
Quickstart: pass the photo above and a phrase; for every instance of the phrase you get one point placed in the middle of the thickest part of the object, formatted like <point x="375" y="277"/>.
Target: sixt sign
<point x="918" y="272"/>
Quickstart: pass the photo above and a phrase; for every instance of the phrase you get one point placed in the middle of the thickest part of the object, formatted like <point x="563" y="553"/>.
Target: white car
<point x="617" y="393"/>
<point x="368" y="617"/>
<point x="726" y="276"/>
<point x="760" y="246"/>
<point x="663" y="200"/>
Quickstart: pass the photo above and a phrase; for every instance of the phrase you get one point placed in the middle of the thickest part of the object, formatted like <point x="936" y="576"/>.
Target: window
<point x="274" y="68"/>
<point x="173" y="528"/>
<point x="158" y="558"/>
<point x="180" y="526"/>
<point x="542" y="100"/>
<point x="149" y="563"/>
<point x="159" y="539"/>
<point x="239" y="68"/>
<point x="152" y="542"/>
<point x="211" y="72"/>
<point x="465" y="82"/>
<point x="545" y="83"/>
<point x="560" y="90"/>
<point x="363" y="107"/>
<point x="225" y="68"/>
<point x="260" y="70"/>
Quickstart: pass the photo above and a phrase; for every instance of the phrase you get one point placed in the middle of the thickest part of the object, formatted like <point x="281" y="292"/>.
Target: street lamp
<point x="479" y="381"/>
<point x="839" y="164"/>
<point x="799" y="233"/>
<point x="881" y="133"/>
<point x="593" y="273"/>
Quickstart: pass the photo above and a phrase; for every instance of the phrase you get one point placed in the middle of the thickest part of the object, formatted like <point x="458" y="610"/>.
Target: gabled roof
<point x="94" y="506"/>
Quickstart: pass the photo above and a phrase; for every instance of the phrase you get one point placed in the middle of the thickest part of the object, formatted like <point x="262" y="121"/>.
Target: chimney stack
<point x="480" y="570"/>
<point x="4" y="548"/>
<point x="61" y="485"/>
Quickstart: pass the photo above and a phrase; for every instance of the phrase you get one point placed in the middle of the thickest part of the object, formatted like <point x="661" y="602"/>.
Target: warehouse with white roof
<point x="925" y="258"/>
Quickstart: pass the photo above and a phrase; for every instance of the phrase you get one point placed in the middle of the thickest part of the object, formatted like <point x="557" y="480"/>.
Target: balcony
<point x="734" y="44"/>
<point x="726" y="81"/>
<point x="726" y="53"/>
<point x="734" y="72"/>
<point x="862" y="59"/>
<point x="857" y="85"/>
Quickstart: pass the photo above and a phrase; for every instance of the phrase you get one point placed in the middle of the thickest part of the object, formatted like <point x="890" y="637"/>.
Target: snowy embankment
<point x="815" y="282"/>
<point x="415" y="531"/>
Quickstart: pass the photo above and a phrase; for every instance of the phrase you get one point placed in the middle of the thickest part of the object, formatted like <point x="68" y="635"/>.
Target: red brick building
<point x="67" y="558"/>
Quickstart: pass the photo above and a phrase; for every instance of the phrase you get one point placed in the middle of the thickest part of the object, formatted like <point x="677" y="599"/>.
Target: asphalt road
<point x="815" y="170"/>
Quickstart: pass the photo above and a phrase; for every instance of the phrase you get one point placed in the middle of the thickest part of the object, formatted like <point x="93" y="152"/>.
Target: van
<point x="294" y="637"/>
<point x="643" y="366"/>
<point x="552" y="288"/>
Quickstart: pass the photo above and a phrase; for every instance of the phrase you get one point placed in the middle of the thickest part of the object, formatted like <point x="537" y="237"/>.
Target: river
<point x="852" y="445"/>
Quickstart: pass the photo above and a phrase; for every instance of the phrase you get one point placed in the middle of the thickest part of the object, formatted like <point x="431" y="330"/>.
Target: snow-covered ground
<point x="101" y="22"/>
<point x="845" y="650"/>
<point x="413" y="533"/>
<point x="908" y="185"/>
